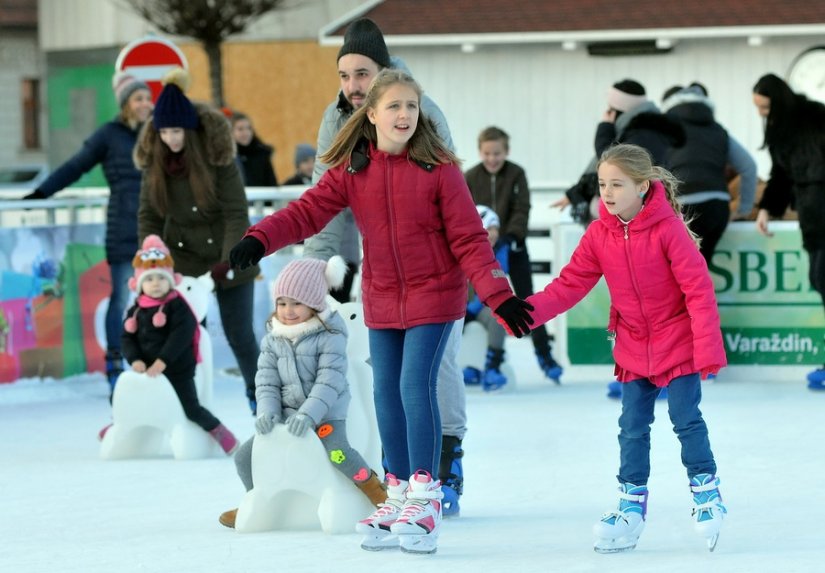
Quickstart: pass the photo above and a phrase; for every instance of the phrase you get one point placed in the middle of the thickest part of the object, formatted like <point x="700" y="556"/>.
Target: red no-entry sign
<point x="148" y="59"/>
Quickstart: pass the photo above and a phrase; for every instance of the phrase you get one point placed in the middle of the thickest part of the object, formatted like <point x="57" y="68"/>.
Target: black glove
<point x="246" y="253"/>
<point x="36" y="194"/>
<point x="514" y="312"/>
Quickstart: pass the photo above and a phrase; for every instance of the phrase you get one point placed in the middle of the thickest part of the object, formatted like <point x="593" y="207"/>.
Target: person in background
<point x="502" y="185"/>
<point x="255" y="156"/>
<point x="192" y="197"/>
<point x="160" y="335"/>
<point x="491" y="378"/>
<point x="304" y="165"/>
<point x="302" y="374"/>
<point x="364" y="54"/>
<point x="656" y="276"/>
<point x="795" y="137"/>
<point x="629" y="118"/>
<point x="701" y="164"/>
<point x="111" y="146"/>
<point x="403" y="184"/>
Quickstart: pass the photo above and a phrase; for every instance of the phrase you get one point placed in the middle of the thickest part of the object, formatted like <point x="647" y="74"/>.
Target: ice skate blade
<point x="712" y="542"/>
<point x="419" y="544"/>
<point x="615" y="545"/>
<point x="378" y="540"/>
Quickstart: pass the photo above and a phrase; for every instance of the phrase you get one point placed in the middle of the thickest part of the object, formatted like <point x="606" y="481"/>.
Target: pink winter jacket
<point x="422" y="238"/>
<point x="663" y="308"/>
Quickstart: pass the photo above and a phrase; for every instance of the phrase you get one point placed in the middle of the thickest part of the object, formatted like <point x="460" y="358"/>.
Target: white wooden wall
<point x="550" y="100"/>
<point x="19" y="59"/>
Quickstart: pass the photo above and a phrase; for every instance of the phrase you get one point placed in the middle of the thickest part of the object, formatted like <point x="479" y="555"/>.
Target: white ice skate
<point x="619" y="530"/>
<point x="420" y="522"/>
<point x="376" y="527"/>
<point x="709" y="511"/>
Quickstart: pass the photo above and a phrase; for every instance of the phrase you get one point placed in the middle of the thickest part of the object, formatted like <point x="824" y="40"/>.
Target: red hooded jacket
<point x="663" y="308"/>
<point x="422" y="237"/>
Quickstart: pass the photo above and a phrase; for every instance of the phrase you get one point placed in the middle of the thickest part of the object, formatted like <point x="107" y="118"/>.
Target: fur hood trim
<point x="214" y="129"/>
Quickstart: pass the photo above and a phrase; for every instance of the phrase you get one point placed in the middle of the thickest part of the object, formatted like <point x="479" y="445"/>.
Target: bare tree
<point x="209" y="22"/>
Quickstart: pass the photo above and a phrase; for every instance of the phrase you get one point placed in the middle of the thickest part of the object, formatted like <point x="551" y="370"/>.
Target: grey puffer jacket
<point x="302" y="368"/>
<point x="340" y="236"/>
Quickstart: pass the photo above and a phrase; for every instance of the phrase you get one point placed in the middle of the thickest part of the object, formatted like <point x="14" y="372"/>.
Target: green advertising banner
<point x="770" y="314"/>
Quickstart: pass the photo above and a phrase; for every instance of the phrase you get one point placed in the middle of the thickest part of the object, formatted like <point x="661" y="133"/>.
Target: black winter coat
<point x="173" y="343"/>
<point x="798" y="173"/>
<point x="653" y="131"/>
<point x="256" y="164"/>
<point x="700" y="163"/>
<point x="111" y="146"/>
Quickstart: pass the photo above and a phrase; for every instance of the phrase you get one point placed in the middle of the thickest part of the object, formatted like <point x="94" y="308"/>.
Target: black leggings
<point x="708" y="220"/>
<point x="816" y="273"/>
<point x="184" y="387"/>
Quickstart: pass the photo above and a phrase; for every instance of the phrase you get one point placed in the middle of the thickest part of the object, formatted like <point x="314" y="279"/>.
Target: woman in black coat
<point x="795" y="137"/>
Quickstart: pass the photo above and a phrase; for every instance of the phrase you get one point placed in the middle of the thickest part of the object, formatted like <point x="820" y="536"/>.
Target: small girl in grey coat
<point x="301" y="379"/>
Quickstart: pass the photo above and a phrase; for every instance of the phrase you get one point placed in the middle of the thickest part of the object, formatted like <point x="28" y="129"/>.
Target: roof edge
<point x="576" y="35"/>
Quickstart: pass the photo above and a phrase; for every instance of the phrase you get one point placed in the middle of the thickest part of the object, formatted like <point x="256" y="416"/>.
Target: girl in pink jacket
<point x="665" y="322"/>
<point x="422" y="238"/>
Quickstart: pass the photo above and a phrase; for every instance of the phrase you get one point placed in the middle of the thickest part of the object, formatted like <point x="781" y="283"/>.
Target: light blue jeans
<point x="405" y="366"/>
<point x="638" y="400"/>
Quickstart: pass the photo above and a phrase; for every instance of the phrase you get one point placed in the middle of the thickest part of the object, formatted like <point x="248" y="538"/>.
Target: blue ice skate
<point x="619" y="530"/>
<point x="550" y="367"/>
<point x="614" y="390"/>
<point x="816" y="379"/>
<point x="493" y="380"/>
<point x="451" y="474"/>
<point x="709" y="511"/>
<point x="472" y="376"/>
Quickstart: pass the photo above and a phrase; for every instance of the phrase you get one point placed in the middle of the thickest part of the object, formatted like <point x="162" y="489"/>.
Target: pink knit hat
<point x="153" y="258"/>
<point x="309" y="280"/>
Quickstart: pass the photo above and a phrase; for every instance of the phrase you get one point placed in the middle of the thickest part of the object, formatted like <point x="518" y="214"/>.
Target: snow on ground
<point x="540" y="467"/>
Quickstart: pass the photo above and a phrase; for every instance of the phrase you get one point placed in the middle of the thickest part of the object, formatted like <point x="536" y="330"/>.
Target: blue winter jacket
<point x="111" y="146"/>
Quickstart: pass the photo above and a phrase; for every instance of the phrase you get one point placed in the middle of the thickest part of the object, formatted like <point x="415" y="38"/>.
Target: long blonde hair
<point x="424" y="146"/>
<point x="636" y="163"/>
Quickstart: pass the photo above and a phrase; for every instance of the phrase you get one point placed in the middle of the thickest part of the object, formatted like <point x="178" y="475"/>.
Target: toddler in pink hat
<point x="160" y="334"/>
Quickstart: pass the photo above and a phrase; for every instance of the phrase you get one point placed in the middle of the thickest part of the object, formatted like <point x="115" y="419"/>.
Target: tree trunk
<point x="213" y="52"/>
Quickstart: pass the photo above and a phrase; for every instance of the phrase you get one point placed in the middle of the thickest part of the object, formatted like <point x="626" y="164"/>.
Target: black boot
<point x="451" y="474"/>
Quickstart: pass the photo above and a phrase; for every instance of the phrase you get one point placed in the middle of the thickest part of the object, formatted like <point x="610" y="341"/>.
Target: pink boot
<point x="225" y="438"/>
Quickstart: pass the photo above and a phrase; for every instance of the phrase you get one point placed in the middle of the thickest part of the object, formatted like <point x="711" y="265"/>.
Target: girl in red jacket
<point x="665" y="322"/>
<point x="422" y="237"/>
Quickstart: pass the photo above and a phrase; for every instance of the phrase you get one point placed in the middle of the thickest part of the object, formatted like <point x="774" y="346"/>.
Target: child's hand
<point x="298" y="424"/>
<point x="516" y="315"/>
<point x="156" y="368"/>
<point x="265" y="422"/>
<point x="139" y="366"/>
<point x="561" y="204"/>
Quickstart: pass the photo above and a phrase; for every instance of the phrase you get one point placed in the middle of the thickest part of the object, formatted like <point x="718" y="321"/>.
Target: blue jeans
<point x="236" y="309"/>
<point x="118" y="301"/>
<point x="405" y="367"/>
<point x="683" y="397"/>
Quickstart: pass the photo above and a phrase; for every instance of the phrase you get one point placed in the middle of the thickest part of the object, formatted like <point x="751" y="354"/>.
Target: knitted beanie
<point x="489" y="218"/>
<point x="309" y="280"/>
<point x="365" y="38"/>
<point x="625" y="95"/>
<point x="173" y="108"/>
<point x="303" y="151"/>
<point x="153" y="258"/>
<point x="124" y="85"/>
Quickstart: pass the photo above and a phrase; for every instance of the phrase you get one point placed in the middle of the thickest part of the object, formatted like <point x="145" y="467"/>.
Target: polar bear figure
<point x="296" y="487"/>
<point x="148" y="419"/>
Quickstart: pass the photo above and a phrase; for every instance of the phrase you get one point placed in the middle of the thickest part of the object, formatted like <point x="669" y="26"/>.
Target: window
<point x="30" y="91"/>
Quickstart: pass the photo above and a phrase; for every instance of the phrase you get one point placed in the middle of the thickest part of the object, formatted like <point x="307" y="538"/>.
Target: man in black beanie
<point x="364" y="54"/>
